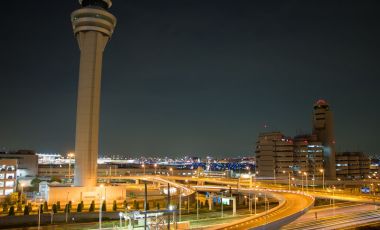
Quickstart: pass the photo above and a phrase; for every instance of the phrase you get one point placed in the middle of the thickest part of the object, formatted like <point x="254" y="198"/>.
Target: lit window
<point x="8" y="191"/>
<point x="9" y="183"/>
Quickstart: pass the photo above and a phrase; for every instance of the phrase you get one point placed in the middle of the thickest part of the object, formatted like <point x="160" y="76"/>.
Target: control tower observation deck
<point x="93" y="27"/>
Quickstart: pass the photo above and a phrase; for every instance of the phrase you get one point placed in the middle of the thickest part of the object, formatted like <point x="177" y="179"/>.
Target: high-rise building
<point x="274" y="154"/>
<point x="323" y="129"/>
<point x="93" y="26"/>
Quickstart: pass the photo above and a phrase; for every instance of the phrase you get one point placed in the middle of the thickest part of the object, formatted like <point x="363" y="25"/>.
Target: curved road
<point x="295" y="205"/>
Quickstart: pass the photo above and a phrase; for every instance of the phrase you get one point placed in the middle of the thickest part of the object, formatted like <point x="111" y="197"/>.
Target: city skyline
<point x="195" y="77"/>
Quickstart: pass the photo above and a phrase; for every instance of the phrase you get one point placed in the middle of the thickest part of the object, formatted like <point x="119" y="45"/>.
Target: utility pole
<point x="168" y="208"/>
<point x="145" y="203"/>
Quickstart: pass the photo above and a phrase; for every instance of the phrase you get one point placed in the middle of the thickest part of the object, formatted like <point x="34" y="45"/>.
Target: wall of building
<point x="8" y="178"/>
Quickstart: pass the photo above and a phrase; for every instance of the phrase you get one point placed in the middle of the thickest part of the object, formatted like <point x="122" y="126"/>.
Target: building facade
<point x="27" y="162"/>
<point x="308" y="155"/>
<point x="8" y="178"/>
<point x="352" y="165"/>
<point x="274" y="154"/>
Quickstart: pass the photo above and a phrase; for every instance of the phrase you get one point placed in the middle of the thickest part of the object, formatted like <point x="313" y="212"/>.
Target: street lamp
<point x="155" y="168"/>
<point x="143" y="166"/>
<point x="256" y="199"/>
<point x="300" y="172"/>
<point x="288" y="179"/>
<point x="69" y="156"/>
<point x="171" y="170"/>
<point x="323" y="178"/>
<point x="307" y="185"/>
<point x="121" y="215"/>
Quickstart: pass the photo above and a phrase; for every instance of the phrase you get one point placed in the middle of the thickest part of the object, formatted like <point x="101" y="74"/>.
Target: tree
<point x="114" y="206"/>
<point x="46" y="207"/>
<point x="104" y="206"/>
<point x="11" y="211"/>
<point x="92" y="206"/>
<point x="70" y="204"/>
<point x="55" y="179"/>
<point x="67" y="208"/>
<point x="54" y="208"/>
<point x="35" y="184"/>
<point x="12" y="198"/>
<point x="125" y="204"/>
<point x="58" y="205"/>
<point x="26" y="210"/>
<point x="79" y="207"/>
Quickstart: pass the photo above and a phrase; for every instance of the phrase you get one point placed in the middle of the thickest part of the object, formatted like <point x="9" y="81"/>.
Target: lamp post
<point x="197" y="204"/>
<point x="288" y="179"/>
<point x="39" y="212"/>
<point x="222" y="204"/>
<point x="300" y="172"/>
<point x="274" y="176"/>
<point x="143" y="166"/>
<point x="155" y="169"/>
<point x="70" y="155"/>
<point x="101" y="199"/>
<point x="307" y="185"/>
<point x="171" y="170"/>
<point x="323" y="178"/>
<point x="180" y="201"/>
<point x="256" y="198"/>
<point x="121" y="215"/>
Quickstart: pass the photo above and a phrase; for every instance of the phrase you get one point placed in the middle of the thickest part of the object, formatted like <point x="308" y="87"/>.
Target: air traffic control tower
<point x="93" y="26"/>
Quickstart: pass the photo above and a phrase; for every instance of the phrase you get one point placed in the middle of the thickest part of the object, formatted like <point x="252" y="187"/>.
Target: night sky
<point x="193" y="77"/>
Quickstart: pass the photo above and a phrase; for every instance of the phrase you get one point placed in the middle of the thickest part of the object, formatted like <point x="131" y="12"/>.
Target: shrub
<point x="46" y="207"/>
<point x="26" y="210"/>
<point x="79" y="207"/>
<point x="125" y="204"/>
<point x="114" y="206"/>
<point x="11" y="211"/>
<point x="54" y="208"/>
<point x="30" y="207"/>
<point x="41" y="208"/>
<point x="59" y="206"/>
<point x="104" y="206"/>
<point x="92" y="206"/>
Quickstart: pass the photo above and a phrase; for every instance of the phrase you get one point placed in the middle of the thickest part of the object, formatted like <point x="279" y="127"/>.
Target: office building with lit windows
<point x="8" y="178"/>
<point x="274" y="154"/>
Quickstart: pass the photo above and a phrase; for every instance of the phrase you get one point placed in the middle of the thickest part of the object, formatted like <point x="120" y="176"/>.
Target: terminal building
<point x="27" y="162"/>
<point x="313" y="155"/>
<point x="352" y="165"/>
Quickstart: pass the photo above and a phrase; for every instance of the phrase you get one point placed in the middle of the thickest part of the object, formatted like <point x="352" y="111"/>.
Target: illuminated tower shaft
<point x="93" y="26"/>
